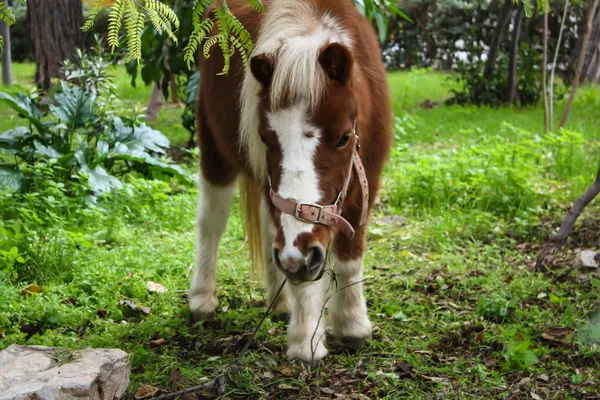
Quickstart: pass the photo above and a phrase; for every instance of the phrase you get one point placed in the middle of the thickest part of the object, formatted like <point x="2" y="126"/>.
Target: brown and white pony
<point x="288" y="126"/>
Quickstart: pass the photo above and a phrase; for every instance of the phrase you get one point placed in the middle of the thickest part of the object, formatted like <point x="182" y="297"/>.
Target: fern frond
<point x="198" y="35"/>
<point x="210" y="42"/>
<point x="6" y="14"/>
<point x="115" y="18"/>
<point x="256" y="4"/>
<point x="1" y="44"/>
<point x="239" y="46"/>
<point x="134" y="25"/>
<point x="164" y="11"/>
<point x="94" y="13"/>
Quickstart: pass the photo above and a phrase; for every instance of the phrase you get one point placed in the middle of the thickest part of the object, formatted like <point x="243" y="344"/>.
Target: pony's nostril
<point x="315" y="258"/>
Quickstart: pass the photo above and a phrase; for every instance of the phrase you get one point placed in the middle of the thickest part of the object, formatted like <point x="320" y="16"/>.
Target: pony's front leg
<point x="347" y="306"/>
<point x="306" y="331"/>
<point x="214" y="203"/>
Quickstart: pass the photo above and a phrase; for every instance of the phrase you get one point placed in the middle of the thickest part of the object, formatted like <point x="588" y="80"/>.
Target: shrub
<point x="82" y="133"/>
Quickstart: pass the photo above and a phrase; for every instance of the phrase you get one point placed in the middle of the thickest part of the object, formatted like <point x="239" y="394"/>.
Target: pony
<point x="306" y="127"/>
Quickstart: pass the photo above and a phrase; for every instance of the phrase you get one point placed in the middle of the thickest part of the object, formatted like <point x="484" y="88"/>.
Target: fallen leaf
<point x="146" y="310"/>
<point x="157" y="342"/>
<point x="224" y="309"/>
<point x="69" y="300"/>
<point x="491" y="362"/>
<point x="558" y="334"/>
<point x="31" y="289"/>
<point x="543" y="377"/>
<point x="587" y="258"/>
<point x="213" y="358"/>
<point x="268" y="375"/>
<point x="521" y="246"/>
<point x="523" y="382"/>
<point x="145" y="392"/>
<point x="542" y="295"/>
<point x="285" y="386"/>
<point x="286" y="370"/>
<point x="405" y="370"/>
<point x="102" y="313"/>
<point x="272" y="331"/>
<point x="154" y="287"/>
<point x="535" y="396"/>
<point x="327" y="391"/>
<point x="176" y="379"/>
<point x="189" y="396"/>
<point x="129" y="304"/>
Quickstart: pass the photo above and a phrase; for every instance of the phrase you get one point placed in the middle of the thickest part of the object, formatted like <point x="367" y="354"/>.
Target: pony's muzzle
<point x="304" y="268"/>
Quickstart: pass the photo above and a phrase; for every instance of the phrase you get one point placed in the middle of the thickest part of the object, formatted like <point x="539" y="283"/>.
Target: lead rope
<point x="218" y="385"/>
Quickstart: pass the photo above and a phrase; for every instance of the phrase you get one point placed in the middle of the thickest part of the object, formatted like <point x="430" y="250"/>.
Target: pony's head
<point x="306" y="119"/>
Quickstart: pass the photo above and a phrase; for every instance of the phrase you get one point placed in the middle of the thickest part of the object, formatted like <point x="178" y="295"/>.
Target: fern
<point x="8" y="17"/>
<point x="134" y="25"/>
<point x="200" y="32"/>
<point x="93" y="14"/>
<point x="257" y="5"/>
<point x="210" y="42"/>
<point x="114" y="23"/>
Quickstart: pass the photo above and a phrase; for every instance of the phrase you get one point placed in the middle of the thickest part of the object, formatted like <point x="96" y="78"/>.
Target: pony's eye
<point x="343" y="140"/>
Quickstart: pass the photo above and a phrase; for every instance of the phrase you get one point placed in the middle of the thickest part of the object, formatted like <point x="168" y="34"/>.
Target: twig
<point x="217" y="386"/>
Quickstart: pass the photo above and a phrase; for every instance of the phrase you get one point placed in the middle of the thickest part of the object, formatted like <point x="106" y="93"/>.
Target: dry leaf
<point x="129" y="303"/>
<point x="558" y="334"/>
<point x="154" y="287"/>
<point x="521" y="246"/>
<point x="224" y="309"/>
<point x="102" y="312"/>
<point x="29" y="290"/>
<point x="285" y="386"/>
<point x="286" y="370"/>
<point x="535" y="396"/>
<point x="157" y="342"/>
<point x="327" y="391"/>
<point x="145" y="392"/>
<point x="146" y="310"/>
<point x="543" y="377"/>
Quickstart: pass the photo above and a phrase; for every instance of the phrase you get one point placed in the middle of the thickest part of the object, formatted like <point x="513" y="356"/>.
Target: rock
<point x="587" y="259"/>
<point x="46" y="373"/>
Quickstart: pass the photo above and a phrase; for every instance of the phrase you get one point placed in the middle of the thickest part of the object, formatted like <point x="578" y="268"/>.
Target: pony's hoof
<point x="303" y="353"/>
<point x="354" y="344"/>
<point x="281" y="317"/>
<point x="202" y="307"/>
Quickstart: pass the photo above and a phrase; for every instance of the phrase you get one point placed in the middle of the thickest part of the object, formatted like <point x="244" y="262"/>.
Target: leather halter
<point x="329" y="215"/>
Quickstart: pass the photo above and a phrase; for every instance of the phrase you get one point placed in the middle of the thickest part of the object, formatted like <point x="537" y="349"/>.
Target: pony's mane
<point x="292" y="34"/>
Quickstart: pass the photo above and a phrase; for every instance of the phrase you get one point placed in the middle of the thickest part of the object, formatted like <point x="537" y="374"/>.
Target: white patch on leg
<point x="348" y="308"/>
<point x="214" y="203"/>
<point x="273" y="275"/>
<point x="306" y="332"/>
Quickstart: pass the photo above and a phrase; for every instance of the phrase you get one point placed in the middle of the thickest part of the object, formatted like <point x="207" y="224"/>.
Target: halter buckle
<point x="299" y="217"/>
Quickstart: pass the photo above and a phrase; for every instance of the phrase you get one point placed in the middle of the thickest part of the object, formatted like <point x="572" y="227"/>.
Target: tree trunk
<point x="544" y="71"/>
<point x="555" y="62"/>
<point x="584" y="44"/>
<point x="6" y="57"/>
<point x="56" y="33"/>
<point x="514" y="54"/>
<point x="490" y="63"/>
<point x="591" y="63"/>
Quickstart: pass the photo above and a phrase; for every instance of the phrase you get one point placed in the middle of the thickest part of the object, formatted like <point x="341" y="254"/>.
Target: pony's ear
<point x="262" y="68"/>
<point x="337" y="62"/>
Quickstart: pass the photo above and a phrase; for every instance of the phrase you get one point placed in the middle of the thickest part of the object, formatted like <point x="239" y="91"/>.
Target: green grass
<point x="457" y="308"/>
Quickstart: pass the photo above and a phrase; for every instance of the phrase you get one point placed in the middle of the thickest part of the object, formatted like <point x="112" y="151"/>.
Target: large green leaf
<point x="140" y="138"/>
<point x="10" y="177"/>
<point x="47" y="151"/>
<point x="74" y="106"/>
<point x="25" y="107"/>
<point x="11" y="142"/>
<point x="100" y="181"/>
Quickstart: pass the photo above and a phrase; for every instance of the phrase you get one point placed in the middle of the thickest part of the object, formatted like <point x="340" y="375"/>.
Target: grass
<point x="469" y="196"/>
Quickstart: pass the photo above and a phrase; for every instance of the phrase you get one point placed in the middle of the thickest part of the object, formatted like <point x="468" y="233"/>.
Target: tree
<point x="512" y="64"/>
<point x="591" y="64"/>
<point x="488" y="71"/>
<point x="56" y="33"/>
<point x="593" y="7"/>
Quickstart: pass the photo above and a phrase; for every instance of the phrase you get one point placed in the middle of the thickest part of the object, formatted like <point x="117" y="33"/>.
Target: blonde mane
<point x="292" y="34"/>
